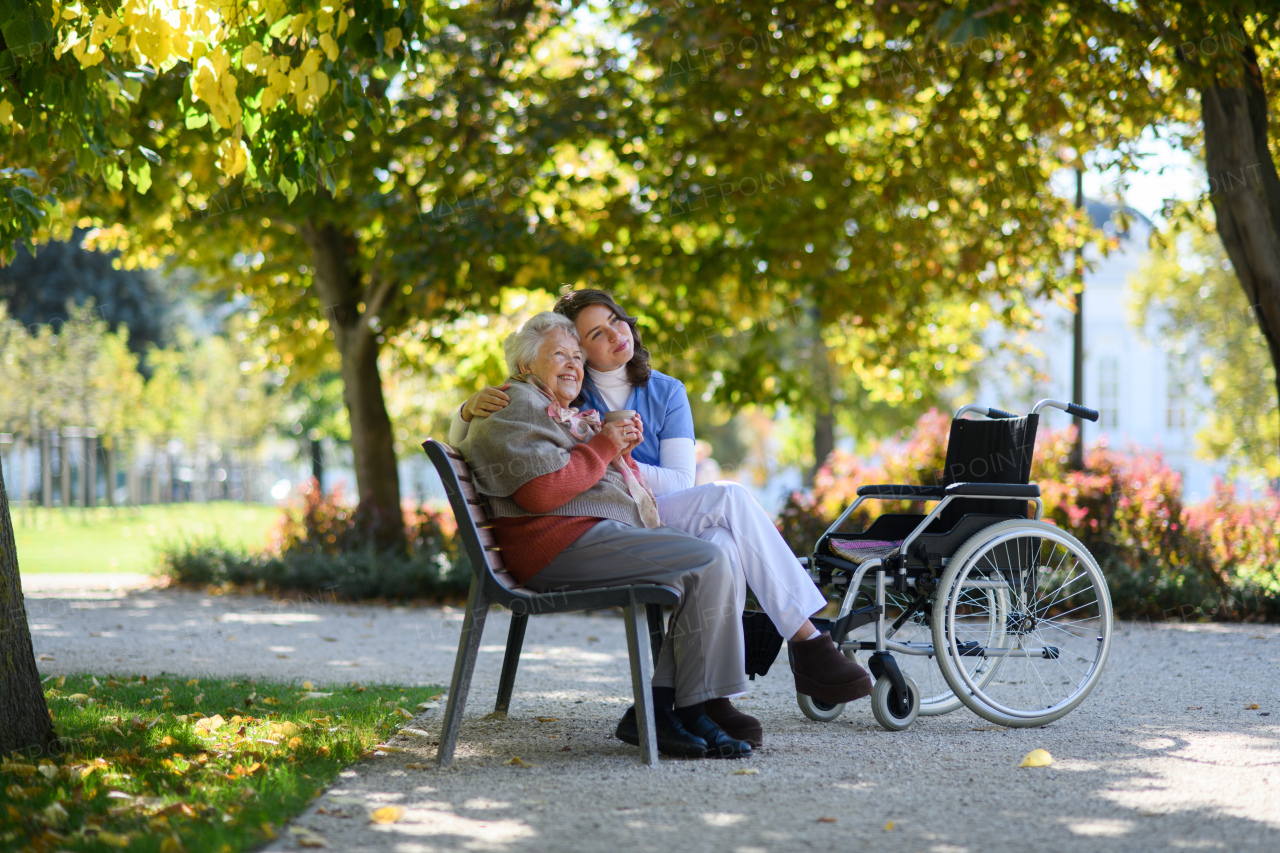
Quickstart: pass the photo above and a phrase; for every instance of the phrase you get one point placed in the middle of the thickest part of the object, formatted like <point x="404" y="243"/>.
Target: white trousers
<point x="725" y="513"/>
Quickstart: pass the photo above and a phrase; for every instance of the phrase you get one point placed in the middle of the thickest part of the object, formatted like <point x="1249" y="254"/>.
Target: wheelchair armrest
<point x="900" y="491"/>
<point x="994" y="490"/>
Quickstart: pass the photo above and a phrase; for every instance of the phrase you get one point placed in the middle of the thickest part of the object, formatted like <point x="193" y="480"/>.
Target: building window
<point x="1109" y="392"/>
<point x="1178" y="382"/>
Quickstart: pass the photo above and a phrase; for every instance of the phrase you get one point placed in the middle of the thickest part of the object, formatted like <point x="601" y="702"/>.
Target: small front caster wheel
<point x="888" y="710"/>
<point x="819" y="712"/>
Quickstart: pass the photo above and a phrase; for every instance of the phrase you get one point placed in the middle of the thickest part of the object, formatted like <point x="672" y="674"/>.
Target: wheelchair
<point x="978" y="602"/>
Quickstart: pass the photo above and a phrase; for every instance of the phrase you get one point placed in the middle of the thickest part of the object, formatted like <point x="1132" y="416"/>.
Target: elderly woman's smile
<point x="559" y="366"/>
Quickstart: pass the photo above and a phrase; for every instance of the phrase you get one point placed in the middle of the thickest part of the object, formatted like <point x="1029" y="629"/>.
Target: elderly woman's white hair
<point x="521" y="346"/>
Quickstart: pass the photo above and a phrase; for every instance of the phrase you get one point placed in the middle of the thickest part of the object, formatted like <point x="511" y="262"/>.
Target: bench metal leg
<point x="654" y="612"/>
<point x="507" y="681"/>
<point x="641" y="678"/>
<point x="464" y="664"/>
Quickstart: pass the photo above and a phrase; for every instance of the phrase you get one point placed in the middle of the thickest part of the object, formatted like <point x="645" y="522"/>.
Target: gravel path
<point x="1166" y="753"/>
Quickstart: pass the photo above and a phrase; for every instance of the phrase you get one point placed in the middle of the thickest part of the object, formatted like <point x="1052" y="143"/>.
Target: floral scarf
<point x="584" y="425"/>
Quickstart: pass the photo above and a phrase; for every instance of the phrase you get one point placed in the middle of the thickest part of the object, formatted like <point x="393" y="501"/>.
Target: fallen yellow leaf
<point x="1253" y="706"/>
<point x="172" y="844"/>
<point x="413" y="765"/>
<point x="78" y="698"/>
<point x="167" y="741"/>
<point x="210" y="724"/>
<point x="517" y="761"/>
<point x="888" y="827"/>
<point x="387" y="814"/>
<point x="1037" y="758"/>
<point x="545" y="719"/>
<point x="750" y="771"/>
<point x="294" y="743"/>
<point x="307" y="685"/>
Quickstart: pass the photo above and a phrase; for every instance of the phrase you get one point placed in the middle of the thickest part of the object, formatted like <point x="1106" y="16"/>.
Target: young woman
<point x="619" y="377"/>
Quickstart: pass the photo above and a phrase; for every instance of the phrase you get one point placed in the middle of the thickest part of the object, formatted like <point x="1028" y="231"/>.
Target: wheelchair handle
<point x="993" y="413"/>
<point x="1073" y="409"/>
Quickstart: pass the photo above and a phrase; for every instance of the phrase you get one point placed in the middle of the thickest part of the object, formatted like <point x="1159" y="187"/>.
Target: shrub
<point x="1220" y="559"/>
<point x="325" y="546"/>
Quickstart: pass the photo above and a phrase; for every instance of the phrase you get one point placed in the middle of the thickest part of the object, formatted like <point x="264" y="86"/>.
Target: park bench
<point x="491" y="584"/>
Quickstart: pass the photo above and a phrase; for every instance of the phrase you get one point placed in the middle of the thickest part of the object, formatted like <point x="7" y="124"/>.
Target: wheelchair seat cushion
<point x="858" y="551"/>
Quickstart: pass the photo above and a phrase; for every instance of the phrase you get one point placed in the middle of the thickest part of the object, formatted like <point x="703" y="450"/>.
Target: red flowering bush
<point x="1220" y="559"/>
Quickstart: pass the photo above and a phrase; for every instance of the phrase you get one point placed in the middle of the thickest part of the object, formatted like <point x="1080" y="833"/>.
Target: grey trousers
<point x="702" y="656"/>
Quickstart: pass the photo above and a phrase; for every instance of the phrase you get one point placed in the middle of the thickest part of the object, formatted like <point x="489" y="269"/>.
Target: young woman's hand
<point x="485" y="402"/>
<point x="623" y="434"/>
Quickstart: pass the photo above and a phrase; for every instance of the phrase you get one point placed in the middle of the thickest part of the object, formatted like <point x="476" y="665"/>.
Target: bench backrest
<point x="474" y="525"/>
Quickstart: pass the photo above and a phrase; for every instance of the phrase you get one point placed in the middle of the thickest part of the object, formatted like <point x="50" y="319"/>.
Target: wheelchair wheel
<point x="936" y="696"/>
<point x="889" y="711"/>
<point x="1057" y="623"/>
<point x="821" y="712"/>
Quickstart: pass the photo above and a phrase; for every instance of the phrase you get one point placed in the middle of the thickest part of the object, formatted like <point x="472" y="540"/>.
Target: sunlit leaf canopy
<point x="765" y="184"/>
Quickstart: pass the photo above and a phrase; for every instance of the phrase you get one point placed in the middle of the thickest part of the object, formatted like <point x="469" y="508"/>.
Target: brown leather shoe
<point x="823" y="672"/>
<point x="734" y="723"/>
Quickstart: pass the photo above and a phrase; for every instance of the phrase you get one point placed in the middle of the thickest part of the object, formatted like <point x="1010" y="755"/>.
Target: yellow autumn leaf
<point x="329" y="46"/>
<point x="393" y="37"/>
<point x="233" y="157"/>
<point x="307" y="685"/>
<point x="888" y="827"/>
<point x="1037" y="758"/>
<point x="387" y="814"/>
<point x="210" y="724"/>
<point x="6" y="113"/>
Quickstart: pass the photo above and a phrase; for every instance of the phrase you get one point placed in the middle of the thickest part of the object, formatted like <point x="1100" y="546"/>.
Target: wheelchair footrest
<point x="854" y="619"/>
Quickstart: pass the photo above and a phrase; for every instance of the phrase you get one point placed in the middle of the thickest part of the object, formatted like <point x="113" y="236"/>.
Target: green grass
<point x="137" y="768"/>
<point x="128" y="540"/>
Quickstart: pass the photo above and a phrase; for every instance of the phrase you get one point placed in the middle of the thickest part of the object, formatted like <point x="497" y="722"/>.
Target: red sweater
<point x="529" y="543"/>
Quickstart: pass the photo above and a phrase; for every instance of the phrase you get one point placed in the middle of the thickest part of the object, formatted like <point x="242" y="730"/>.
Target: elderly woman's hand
<point x="485" y="402"/>
<point x="624" y="434"/>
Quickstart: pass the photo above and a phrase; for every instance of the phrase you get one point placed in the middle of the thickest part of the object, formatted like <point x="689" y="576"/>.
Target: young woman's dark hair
<point x="571" y="305"/>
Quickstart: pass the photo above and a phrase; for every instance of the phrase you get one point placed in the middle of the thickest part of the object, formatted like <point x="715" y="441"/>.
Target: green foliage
<point x="1192" y="287"/>
<point x="139" y="767"/>
<point x="329" y="548"/>
<point x="1161" y="559"/>
<point x="38" y="288"/>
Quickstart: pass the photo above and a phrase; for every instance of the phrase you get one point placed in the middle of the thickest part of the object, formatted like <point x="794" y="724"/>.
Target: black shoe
<point x="719" y="744"/>
<point x="673" y="738"/>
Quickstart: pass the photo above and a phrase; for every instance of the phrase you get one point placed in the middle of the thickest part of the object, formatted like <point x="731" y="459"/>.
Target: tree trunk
<point x="25" y="724"/>
<point x="317" y="462"/>
<point x="1245" y="192"/>
<point x="352" y="315"/>
<point x="824" y="418"/>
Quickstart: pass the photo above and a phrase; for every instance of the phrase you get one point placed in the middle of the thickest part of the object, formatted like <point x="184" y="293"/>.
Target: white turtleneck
<point x="677" y="457"/>
<point x="613" y="385"/>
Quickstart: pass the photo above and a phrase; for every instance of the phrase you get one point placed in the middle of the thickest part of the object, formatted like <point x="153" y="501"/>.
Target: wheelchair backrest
<point x="988" y="451"/>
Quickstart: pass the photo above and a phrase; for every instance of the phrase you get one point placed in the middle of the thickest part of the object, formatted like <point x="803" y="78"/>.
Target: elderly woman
<point x="619" y="377"/>
<point x="571" y="511"/>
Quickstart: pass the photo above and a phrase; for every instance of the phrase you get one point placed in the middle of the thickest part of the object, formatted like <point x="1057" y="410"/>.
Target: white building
<point x="1147" y="395"/>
